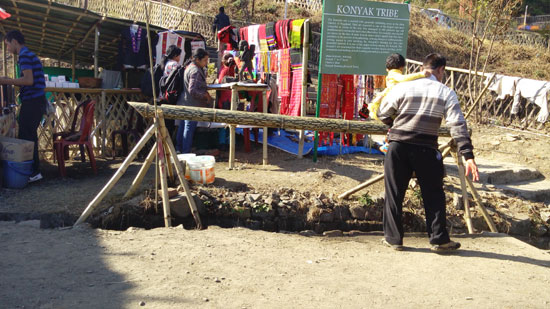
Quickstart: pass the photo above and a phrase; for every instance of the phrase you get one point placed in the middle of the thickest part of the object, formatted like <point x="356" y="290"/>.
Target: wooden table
<point x="235" y="88"/>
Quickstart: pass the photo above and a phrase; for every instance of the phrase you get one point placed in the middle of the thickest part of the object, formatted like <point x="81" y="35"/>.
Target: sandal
<point x="394" y="247"/>
<point x="450" y="246"/>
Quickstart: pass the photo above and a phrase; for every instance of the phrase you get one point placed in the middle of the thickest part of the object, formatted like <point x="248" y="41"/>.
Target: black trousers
<point x="401" y="160"/>
<point x="30" y="116"/>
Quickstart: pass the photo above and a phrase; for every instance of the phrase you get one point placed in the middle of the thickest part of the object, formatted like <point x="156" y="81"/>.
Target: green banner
<point x="358" y="35"/>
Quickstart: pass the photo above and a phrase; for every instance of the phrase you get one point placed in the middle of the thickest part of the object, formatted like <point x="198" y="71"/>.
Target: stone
<point x="313" y="214"/>
<point x="172" y="192"/>
<point x="540" y="230"/>
<point x="217" y="280"/>
<point x="285" y="197"/>
<point x="253" y="197"/>
<point x="458" y="203"/>
<point x="282" y="212"/>
<point x="358" y="212"/>
<point x="142" y="303"/>
<point x="179" y="206"/>
<point x="326" y="217"/>
<point x="512" y="137"/>
<point x="307" y="233"/>
<point x="545" y="215"/>
<point x="243" y="212"/>
<point x="495" y="143"/>
<point x="333" y="233"/>
<point x="269" y="201"/>
<point x="520" y="225"/>
<point x="341" y="213"/>
<point x="317" y="202"/>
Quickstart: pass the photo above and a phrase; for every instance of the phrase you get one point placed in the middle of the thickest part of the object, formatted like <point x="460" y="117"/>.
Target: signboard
<point x="359" y="35"/>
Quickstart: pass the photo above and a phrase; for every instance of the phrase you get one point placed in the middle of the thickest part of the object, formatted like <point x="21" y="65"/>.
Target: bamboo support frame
<point x="264" y="138"/>
<point x="142" y="172"/>
<point x="461" y="175"/>
<point x="121" y="170"/>
<point x="234" y="101"/>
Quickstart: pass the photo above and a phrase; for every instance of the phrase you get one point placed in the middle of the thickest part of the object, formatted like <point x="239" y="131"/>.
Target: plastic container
<point x="183" y="158"/>
<point x="201" y="169"/>
<point x="16" y="174"/>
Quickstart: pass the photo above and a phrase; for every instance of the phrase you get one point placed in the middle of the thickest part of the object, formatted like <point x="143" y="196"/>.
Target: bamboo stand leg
<point x="462" y="177"/>
<point x="264" y="144"/>
<point x="121" y="170"/>
<point x="181" y="175"/>
<point x="361" y="186"/>
<point x="169" y="160"/>
<point x="479" y="203"/>
<point x="141" y="174"/>
<point x="234" y="98"/>
<point x="163" y="181"/>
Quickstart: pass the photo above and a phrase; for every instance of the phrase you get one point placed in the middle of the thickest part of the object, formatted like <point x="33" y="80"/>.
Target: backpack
<point x="171" y="86"/>
<point x="146" y="86"/>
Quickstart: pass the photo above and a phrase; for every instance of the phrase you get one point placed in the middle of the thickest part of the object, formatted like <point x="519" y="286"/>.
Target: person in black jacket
<point x="221" y="21"/>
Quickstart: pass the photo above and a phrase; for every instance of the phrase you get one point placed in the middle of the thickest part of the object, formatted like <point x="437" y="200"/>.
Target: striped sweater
<point x="419" y="107"/>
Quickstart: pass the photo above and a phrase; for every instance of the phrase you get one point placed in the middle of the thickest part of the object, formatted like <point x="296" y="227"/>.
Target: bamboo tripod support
<point x="167" y="155"/>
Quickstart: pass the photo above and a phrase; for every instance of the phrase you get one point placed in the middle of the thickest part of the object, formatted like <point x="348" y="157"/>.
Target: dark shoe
<point x="450" y="246"/>
<point x="394" y="247"/>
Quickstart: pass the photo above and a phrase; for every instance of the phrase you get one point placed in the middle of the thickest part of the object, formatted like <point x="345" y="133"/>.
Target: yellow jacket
<point x="393" y="78"/>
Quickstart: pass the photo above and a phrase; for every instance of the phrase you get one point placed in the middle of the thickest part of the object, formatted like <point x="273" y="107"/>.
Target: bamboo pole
<point x="163" y="179"/>
<point x="142" y="172"/>
<point x="264" y="145"/>
<point x="267" y="120"/>
<point x="305" y="60"/>
<point x="479" y="203"/>
<point x="96" y="51"/>
<point x="4" y="59"/>
<point x="461" y="175"/>
<point x="73" y="65"/>
<point x="361" y="186"/>
<point x="319" y="83"/>
<point x="181" y="174"/>
<point x="234" y="98"/>
<point x="121" y="170"/>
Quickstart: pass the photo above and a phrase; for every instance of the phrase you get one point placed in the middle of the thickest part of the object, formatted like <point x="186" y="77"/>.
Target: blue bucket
<point x="16" y="174"/>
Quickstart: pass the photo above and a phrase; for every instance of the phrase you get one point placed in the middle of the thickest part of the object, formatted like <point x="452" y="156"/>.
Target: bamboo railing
<point x="111" y="113"/>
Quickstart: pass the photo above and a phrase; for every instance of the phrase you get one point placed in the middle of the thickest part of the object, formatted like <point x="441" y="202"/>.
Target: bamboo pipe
<point x="267" y="120"/>
<point x="141" y="174"/>
<point x="163" y="180"/>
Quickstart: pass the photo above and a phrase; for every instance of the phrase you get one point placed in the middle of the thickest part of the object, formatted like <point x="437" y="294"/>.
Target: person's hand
<point x="427" y="74"/>
<point x="471" y="168"/>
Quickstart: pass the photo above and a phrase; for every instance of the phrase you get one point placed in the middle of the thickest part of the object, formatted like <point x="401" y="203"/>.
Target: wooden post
<point x="163" y="180"/>
<point x="452" y="80"/>
<point x="73" y="65"/>
<point x="103" y="112"/>
<point x="305" y="60"/>
<point x="461" y="175"/>
<point x="181" y="175"/>
<point x="264" y="144"/>
<point x="234" y="99"/>
<point x="96" y="52"/>
<point x="121" y="170"/>
<point x="4" y="59"/>
<point x="142" y="172"/>
<point x="479" y="203"/>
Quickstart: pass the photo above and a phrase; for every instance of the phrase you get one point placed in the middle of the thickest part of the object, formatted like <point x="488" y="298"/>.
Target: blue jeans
<point x="184" y="139"/>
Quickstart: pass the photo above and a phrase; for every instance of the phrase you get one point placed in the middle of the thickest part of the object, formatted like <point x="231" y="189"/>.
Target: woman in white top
<point x="171" y="59"/>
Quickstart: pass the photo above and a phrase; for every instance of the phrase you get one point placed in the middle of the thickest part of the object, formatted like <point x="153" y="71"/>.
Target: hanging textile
<point x="270" y="36"/>
<point x="165" y="39"/>
<point x="274" y="61"/>
<point x="296" y="33"/>
<point x="296" y="85"/>
<point x="262" y="38"/>
<point x="243" y="33"/>
<point x="282" y="28"/>
<point x="329" y="96"/>
<point x="228" y="37"/>
<point x="379" y="81"/>
<point x="348" y="102"/>
<point x="285" y="73"/>
<point x="253" y="38"/>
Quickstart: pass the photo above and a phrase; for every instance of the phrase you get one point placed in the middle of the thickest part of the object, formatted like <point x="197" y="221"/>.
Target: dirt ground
<point x="241" y="268"/>
<point x="175" y="268"/>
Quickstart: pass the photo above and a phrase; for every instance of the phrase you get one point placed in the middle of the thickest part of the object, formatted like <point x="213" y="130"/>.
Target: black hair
<point x="199" y="54"/>
<point x="434" y="61"/>
<point x="395" y="61"/>
<point x="171" y="52"/>
<point x="228" y="60"/>
<point x="15" y="35"/>
<point x="222" y="9"/>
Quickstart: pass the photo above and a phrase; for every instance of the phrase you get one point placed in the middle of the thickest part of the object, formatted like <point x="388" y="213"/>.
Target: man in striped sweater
<point x="33" y="99"/>
<point x="415" y="110"/>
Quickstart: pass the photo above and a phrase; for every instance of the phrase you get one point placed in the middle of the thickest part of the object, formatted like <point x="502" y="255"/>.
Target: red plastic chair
<point x="78" y="110"/>
<point x="81" y="138"/>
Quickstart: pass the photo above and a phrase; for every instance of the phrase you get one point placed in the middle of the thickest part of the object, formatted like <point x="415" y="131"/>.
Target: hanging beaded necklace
<point x="136" y="40"/>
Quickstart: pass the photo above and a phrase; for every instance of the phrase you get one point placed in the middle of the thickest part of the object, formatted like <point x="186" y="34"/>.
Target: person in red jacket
<point x="228" y="69"/>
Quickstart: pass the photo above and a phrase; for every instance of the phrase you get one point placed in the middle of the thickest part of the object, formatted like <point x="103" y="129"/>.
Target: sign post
<point x="356" y="38"/>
